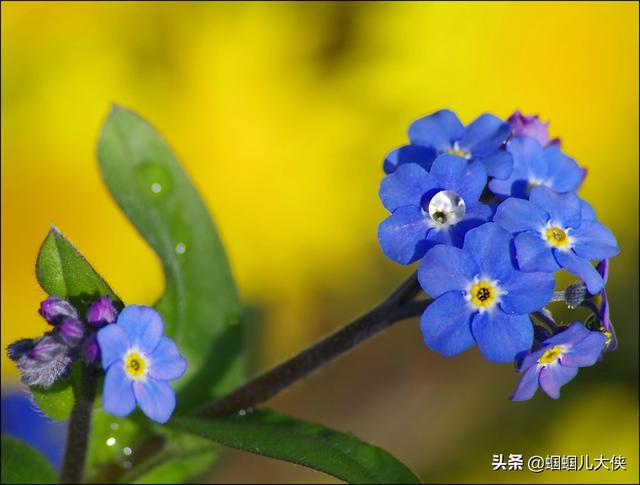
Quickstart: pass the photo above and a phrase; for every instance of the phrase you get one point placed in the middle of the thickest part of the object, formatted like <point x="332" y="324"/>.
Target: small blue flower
<point x="557" y="231"/>
<point x="558" y="360"/>
<point x="480" y="297"/>
<point x="442" y="132"/>
<point x="139" y="362"/>
<point x="534" y="165"/>
<point x="530" y="125"/>
<point x="430" y="208"/>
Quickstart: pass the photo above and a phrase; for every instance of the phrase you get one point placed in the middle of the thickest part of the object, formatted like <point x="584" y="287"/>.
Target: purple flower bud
<point x="101" y="312"/>
<point x="41" y="361"/>
<point x="19" y="348"/>
<point x="55" y="309"/>
<point x="530" y="125"/>
<point x="71" y="332"/>
<point x="610" y="332"/>
<point x="91" y="350"/>
<point x="47" y="348"/>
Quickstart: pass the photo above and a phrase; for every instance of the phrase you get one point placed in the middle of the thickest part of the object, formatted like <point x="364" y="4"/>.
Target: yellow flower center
<point x="135" y="364"/>
<point x="457" y="152"/>
<point x="556" y="236"/>
<point x="550" y="355"/>
<point x="483" y="294"/>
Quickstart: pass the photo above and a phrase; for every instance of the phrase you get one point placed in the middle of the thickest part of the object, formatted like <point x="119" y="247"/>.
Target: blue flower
<point x="534" y="165"/>
<point x="442" y="132"/>
<point x="558" y="360"/>
<point x="480" y="297"/>
<point x="530" y="125"/>
<point x="429" y="208"/>
<point x="557" y="231"/>
<point x="139" y="362"/>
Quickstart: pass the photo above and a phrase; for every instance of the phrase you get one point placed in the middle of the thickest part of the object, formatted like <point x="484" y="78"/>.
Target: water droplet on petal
<point x="446" y="208"/>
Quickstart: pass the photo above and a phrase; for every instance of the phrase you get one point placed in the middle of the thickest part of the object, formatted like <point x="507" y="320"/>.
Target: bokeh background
<point x="282" y="114"/>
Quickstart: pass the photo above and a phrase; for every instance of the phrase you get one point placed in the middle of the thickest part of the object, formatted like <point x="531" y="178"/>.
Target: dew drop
<point x="154" y="178"/>
<point x="446" y="208"/>
<point x="127" y="451"/>
<point x="181" y="248"/>
<point x="111" y="441"/>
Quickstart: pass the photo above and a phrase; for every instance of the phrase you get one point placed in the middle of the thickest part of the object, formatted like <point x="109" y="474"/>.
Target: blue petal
<point x="438" y="130"/>
<point x="406" y="186"/>
<point x="498" y="164"/>
<point x="528" y="157"/>
<point x="587" y="211"/>
<point x="534" y="254"/>
<point x="445" y="324"/>
<point x="572" y="335"/>
<point x="418" y="154"/>
<point x="517" y="215"/>
<point x="516" y="185"/>
<point x="402" y="235"/>
<point x="581" y="268"/>
<point x="484" y="135"/>
<point x="166" y="362"/>
<point x="554" y="376"/>
<point x="592" y="240"/>
<point x="445" y="268"/>
<point x="114" y="344"/>
<point x="476" y="215"/>
<point x="586" y="352"/>
<point x="528" y="385"/>
<point x="526" y="292"/>
<point x="564" y="209"/>
<point x="117" y="394"/>
<point x="143" y="325"/>
<point x="156" y="399"/>
<point x="502" y="337"/>
<point x="563" y="173"/>
<point x="531" y="359"/>
<point x="490" y="246"/>
<point x="456" y="174"/>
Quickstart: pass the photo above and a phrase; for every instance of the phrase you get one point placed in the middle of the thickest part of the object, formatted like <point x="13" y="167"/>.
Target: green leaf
<point x="200" y="306"/>
<point x="23" y="464"/>
<point x="275" y="435"/>
<point x="62" y="271"/>
<point x="58" y="400"/>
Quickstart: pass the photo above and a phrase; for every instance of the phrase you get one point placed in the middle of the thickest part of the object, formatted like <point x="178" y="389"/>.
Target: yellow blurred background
<point x="282" y="114"/>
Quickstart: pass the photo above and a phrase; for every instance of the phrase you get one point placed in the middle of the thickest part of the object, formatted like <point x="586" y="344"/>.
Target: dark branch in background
<point x="75" y="453"/>
<point x="398" y="306"/>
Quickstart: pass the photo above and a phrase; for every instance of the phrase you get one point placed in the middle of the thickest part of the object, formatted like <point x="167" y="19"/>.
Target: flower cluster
<point x="44" y="360"/>
<point x="137" y="359"/>
<point x="491" y="212"/>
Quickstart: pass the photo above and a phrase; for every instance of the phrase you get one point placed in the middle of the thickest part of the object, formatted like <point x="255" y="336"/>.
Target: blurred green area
<point x="282" y="114"/>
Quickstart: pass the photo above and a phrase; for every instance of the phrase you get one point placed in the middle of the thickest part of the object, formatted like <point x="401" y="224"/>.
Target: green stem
<point x="75" y="454"/>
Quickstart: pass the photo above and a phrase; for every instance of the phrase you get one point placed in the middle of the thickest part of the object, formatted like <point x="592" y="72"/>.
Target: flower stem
<point x="398" y="306"/>
<point x="75" y="453"/>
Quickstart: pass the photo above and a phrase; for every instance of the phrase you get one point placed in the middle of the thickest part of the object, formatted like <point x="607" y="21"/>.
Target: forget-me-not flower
<point x="558" y="360"/>
<point x="480" y="297"/>
<point x="139" y="361"/>
<point x="534" y="165"/>
<point x="442" y="132"/>
<point x="557" y="231"/>
<point x="428" y="208"/>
